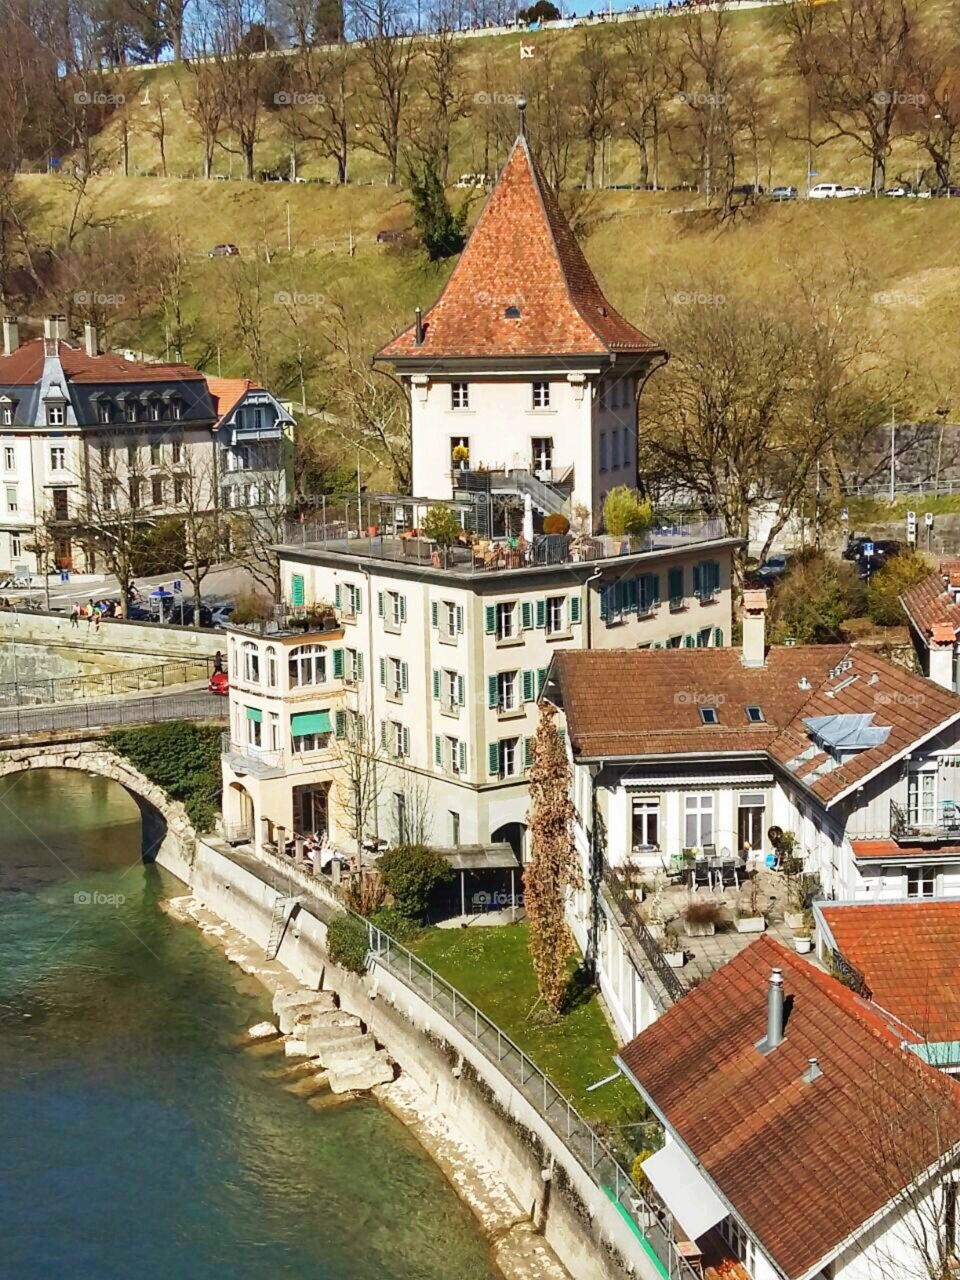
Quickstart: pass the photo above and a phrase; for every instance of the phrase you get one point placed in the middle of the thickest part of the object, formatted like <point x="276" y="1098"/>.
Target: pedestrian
<point x="96" y="619"/>
<point x="75" y="616"/>
<point x="217" y="663"/>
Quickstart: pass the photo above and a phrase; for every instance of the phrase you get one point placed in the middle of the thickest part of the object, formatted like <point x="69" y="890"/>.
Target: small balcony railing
<point x="942" y="824"/>
<point x="257" y="759"/>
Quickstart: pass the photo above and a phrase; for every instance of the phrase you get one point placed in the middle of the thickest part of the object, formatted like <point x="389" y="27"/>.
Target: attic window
<point x="512" y="313"/>
<point x="755" y="715"/>
<point x="708" y="715"/>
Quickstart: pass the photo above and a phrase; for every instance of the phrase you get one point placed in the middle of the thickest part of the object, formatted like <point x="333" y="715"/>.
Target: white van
<point x="825" y="191"/>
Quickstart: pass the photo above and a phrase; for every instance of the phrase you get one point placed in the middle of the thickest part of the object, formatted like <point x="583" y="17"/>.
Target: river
<point x="135" y="1139"/>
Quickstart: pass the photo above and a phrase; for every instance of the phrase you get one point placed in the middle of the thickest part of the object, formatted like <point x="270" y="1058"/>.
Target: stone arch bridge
<point x="168" y="836"/>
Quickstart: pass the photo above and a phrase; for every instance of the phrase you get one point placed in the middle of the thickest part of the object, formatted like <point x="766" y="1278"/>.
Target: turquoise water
<point x="135" y="1139"/>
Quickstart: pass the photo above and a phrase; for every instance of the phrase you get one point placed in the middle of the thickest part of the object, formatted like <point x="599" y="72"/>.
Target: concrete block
<point x="290" y="999"/>
<point x="378" y="1070"/>
<point x="317" y="1039"/>
<point x="307" y="1086"/>
<point x="293" y="1016"/>
<point x="341" y="1055"/>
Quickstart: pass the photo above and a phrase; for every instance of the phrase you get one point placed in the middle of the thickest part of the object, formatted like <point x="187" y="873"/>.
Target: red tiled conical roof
<point x="523" y="256"/>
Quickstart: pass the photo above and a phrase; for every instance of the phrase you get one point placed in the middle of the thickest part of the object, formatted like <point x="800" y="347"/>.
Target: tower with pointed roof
<point x="523" y="377"/>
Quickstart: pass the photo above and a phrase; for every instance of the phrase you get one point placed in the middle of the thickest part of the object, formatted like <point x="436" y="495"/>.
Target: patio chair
<point x="729" y="875"/>
<point x="701" y="873"/>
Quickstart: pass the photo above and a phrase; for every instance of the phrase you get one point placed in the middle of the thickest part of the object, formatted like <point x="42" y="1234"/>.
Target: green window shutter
<point x="383" y="672"/>
<point x="718" y="637"/>
<point x="379" y="604"/>
<point x="655" y="587"/>
<point x="403" y="608"/>
<point x="305" y="722"/>
<point x="697" y="579"/>
<point x="438" y="750"/>
<point x="359" y="666"/>
<point x="491" y="691"/>
<point x="493" y="757"/>
<point x="461" y="691"/>
<point x="541" y="679"/>
<point x="436" y="685"/>
<point x="357" y="601"/>
<point x="714" y="575"/>
<point x="338" y="664"/>
<point x="690" y="641"/>
<point x="383" y="734"/>
<point x="526" y="614"/>
<point x="630" y="595"/>
<point x="255" y="714"/>
<point x="296" y="590"/>
<point x="528" y="686"/>
<point x="675" y="583"/>
<point x="460" y="619"/>
<point x="405" y="733"/>
<point x="404" y="677"/>
<point x="574" y="610"/>
<point x="337" y="596"/>
<point x="606" y="603"/>
<point x="340" y="724"/>
<point x="462" y="752"/>
<point x="528" y="752"/>
<point x="434" y="614"/>
<point x="490" y="619"/>
<point x="541" y="613"/>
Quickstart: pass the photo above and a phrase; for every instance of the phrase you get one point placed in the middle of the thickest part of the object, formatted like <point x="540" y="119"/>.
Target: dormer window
<point x="708" y="715"/>
<point x="155" y="410"/>
<point x="755" y="715"/>
<point x="511" y="313"/>
<point x="130" y="410"/>
<point x="55" y="415"/>
<point x="7" y="414"/>
<point x="104" y="411"/>
<point x="176" y="407"/>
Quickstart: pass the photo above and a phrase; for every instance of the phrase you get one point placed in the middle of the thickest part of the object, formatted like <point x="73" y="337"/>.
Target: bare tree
<point x="646" y="87"/>
<point x="155" y="125"/>
<point x="441" y="84"/>
<point x="201" y="93"/>
<point x="932" y="112"/>
<point x="360" y="775"/>
<point x="551" y="112"/>
<point x="597" y="91"/>
<point x="386" y="51"/>
<point x="192" y="484"/>
<point x="244" y="76"/>
<point x="317" y="105"/>
<point x="256" y="530"/>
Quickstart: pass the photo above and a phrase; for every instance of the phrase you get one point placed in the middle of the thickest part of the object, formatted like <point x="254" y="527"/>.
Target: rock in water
<point x="263" y="1030"/>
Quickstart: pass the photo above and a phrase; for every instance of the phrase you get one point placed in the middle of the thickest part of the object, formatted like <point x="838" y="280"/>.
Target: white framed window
<point x="459" y="395"/>
<point x="921" y="882"/>
<point x="396" y="739"/>
<point x="12" y="503"/>
<point x="506" y="620"/>
<point x="176" y="407"/>
<point x="697" y="821"/>
<point x="273" y="731"/>
<point x="741" y="1244"/>
<point x="307" y="665"/>
<point x="922" y="797"/>
<point x="392" y="606"/>
<point x="454" y="828"/>
<point x="509" y="757"/>
<point x="451" y="690"/>
<point x="645" y="822"/>
<point x="55" y="415"/>
<point x="455" y="752"/>
<point x="541" y="395"/>
<point x="16" y="546"/>
<point x="556" y="619"/>
<point x="8" y="415"/>
<point x="354" y="665"/>
<point x="452" y="619"/>
<point x="130" y="408"/>
<point x="751" y="810"/>
<point x="9" y="458"/>
<point x="271" y="668"/>
<point x="254" y="730"/>
<point x="507" y="699"/>
<point x="251" y="662"/>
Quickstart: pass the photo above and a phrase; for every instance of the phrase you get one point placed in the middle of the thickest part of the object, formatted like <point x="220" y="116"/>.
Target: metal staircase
<point x="283" y="909"/>
<point x="544" y="496"/>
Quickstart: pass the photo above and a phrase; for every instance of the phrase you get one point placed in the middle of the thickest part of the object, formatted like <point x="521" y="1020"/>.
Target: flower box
<point x="793" y="919"/>
<point x="694" y="929"/>
<point x="675" y="959"/>
<point x="802" y="945"/>
<point x="750" y="924"/>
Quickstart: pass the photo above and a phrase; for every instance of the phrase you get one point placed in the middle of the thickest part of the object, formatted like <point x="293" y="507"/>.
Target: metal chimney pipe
<point x="419" y="327"/>
<point x="775" y="1010"/>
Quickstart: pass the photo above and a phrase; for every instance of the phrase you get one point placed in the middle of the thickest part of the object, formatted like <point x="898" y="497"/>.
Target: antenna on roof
<point x="522" y="108"/>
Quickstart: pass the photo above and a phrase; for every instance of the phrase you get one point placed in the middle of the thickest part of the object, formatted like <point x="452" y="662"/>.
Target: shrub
<point x="697" y="912"/>
<point x="391" y="921"/>
<point x="556" y="523"/>
<point x="625" y="512"/>
<point x="182" y="758"/>
<point x="441" y="525"/>
<point x="441" y="230"/>
<point x="813" y="601"/>
<point x="889" y="583"/>
<point x="347" y="943"/>
<point x="412" y="873"/>
<point x="640" y="1179"/>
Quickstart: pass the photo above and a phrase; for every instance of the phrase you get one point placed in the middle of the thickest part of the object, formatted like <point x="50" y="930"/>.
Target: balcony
<point x="260" y="762"/>
<point x="942" y="824"/>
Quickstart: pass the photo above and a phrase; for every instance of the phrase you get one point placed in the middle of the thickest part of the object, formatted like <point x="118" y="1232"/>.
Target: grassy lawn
<point x="492" y="967"/>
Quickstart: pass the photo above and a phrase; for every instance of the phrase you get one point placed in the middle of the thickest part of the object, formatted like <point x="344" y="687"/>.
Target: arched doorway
<point x="239" y="814"/>
<point x="515" y="835"/>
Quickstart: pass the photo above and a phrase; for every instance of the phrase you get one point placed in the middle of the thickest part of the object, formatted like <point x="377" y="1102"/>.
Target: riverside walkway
<point x="18" y="723"/>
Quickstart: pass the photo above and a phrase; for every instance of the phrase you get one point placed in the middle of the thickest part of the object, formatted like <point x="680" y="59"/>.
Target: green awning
<point x="305" y="722"/>
<point x="254" y="713"/>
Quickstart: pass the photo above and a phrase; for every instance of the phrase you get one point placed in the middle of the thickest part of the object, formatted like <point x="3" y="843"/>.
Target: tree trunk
<point x="656" y="148"/>
<point x="208" y="161"/>
<point x="248" y="161"/>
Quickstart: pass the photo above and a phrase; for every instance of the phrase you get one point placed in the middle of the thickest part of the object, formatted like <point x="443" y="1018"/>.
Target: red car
<point x="219" y="684"/>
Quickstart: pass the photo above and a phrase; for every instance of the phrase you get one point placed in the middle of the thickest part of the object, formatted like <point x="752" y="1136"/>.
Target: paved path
<point x="199" y="705"/>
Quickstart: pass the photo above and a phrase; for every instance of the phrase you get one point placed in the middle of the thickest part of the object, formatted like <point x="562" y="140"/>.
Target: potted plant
<point x="670" y="948"/>
<point x="791" y="864"/>
<point x="461" y="456"/>
<point x="748" y="917"/>
<point x="803" y="936"/>
<point x="700" y="918"/>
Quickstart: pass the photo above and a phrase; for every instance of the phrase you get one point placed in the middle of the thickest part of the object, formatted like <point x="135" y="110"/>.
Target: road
<point x="198" y="705"/>
<point x="224" y="582"/>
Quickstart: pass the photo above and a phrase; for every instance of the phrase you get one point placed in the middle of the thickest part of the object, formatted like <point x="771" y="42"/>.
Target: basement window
<point x="708" y="715"/>
<point x="755" y="715"/>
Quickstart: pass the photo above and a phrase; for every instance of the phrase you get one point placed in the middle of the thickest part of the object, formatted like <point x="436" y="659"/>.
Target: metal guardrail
<point x="262" y="756"/>
<point x="587" y="1148"/>
<point x="109" y="684"/>
<point x="19" y="721"/>
<point x="849" y="974"/>
<point x="621" y="895"/>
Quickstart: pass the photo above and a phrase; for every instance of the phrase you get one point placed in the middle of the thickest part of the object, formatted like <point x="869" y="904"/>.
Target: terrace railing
<point x="620" y="892"/>
<point x="650" y="1219"/>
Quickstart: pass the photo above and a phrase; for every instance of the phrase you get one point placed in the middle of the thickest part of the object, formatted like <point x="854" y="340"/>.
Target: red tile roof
<point x="521" y="253"/>
<point x="893" y="848"/>
<point x="226" y="393"/>
<point x="909" y="955"/>
<point x="800" y="1163"/>
<point x="929" y="604"/>
<point x="25" y="367"/>
<point x="627" y="702"/>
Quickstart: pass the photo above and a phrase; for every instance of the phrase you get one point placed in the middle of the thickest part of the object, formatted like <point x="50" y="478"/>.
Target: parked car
<point x="948" y="193"/>
<point x="854" y="548"/>
<point x="472" y="180"/>
<point x="224" y="251"/>
<point x="899" y="192"/>
<point x="846" y="193"/>
<point x="389" y="236"/>
<point x="825" y="191"/>
<point x="747" y="189"/>
<point x="772" y="568"/>
<point x="783" y="193"/>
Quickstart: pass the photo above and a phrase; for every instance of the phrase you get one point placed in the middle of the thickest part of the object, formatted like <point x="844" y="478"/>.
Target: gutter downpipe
<point x="597" y="573"/>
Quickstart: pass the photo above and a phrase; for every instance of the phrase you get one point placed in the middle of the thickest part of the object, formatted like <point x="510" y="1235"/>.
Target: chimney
<point x="813" y="1072"/>
<point x="49" y="327"/>
<point x="418" y="327"/>
<point x="62" y="330"/>
<point x="754" y="628"/>
<point x="774" y="1035"/>
<point x="90" y="343"/>
<point x="11" y="335"/>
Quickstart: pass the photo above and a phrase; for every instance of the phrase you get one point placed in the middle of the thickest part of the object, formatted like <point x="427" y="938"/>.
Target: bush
<point x="813" y="601"/>
<point x="556" y="523"/>
<point x="391" y="921"/>
<point x="441" y="525"/>
<point x="182" y="758"/>
<point x="441" y="230"/>
<point x="412" y="873"/>
<point x="889" y="583"/>
<point x="347" y="943"/>
<point x="625" y="512"/>
<point x="696" y="912"/>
